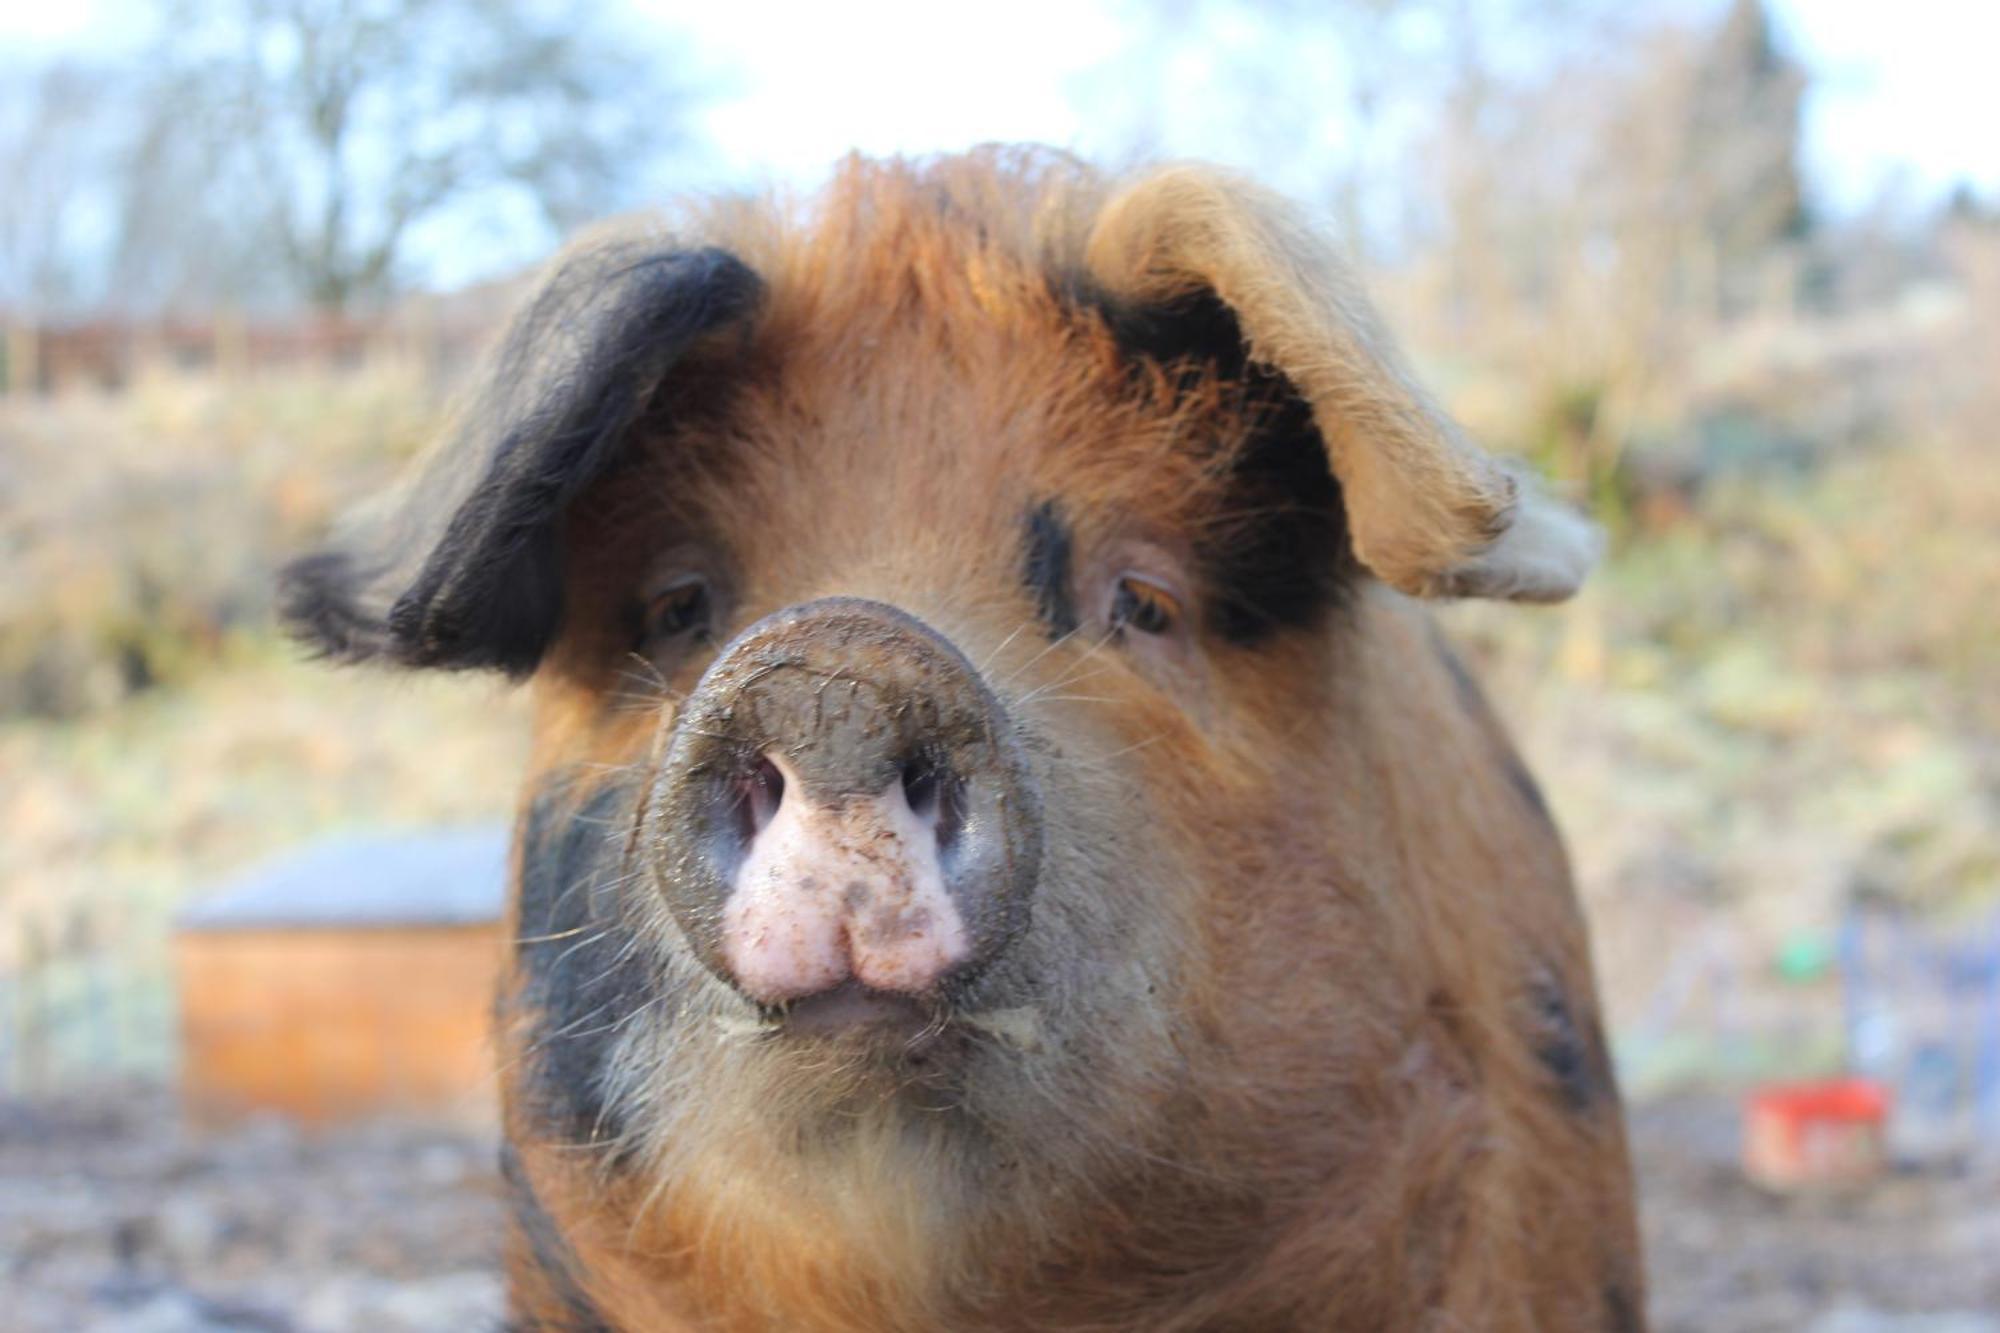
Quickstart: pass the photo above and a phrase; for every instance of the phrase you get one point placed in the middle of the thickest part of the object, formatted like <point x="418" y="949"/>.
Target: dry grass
<point x="176" y="788"/>
<point x="1754" y="720"/>
<point x="1776" y="701"/>
<point x="139" y="531"/>
<point x="154" y="732"/>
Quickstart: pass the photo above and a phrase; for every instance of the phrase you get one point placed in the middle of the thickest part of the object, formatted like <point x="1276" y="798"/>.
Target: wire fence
<point x="86" y="996"/>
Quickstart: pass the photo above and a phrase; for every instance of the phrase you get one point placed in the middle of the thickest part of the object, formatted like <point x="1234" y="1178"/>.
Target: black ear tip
<point x="467" y="572"/>
<point x="425" y="630"/>
<point x="318" y="605"/>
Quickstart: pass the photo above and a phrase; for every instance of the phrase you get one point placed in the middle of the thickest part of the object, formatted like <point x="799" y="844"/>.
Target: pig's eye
<point x="682" y="608"/>
<point x="1144" y="605"/>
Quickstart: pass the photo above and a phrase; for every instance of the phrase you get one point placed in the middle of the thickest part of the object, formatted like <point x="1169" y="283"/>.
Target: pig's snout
<point x="845" y="801"/>
<point x="852" y="888"/>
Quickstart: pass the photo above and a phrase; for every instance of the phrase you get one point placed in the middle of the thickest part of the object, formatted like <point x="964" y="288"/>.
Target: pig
<point x="1005" y="845"/>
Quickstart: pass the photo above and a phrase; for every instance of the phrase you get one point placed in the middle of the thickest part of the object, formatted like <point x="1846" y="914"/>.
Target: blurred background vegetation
<point x="247" y="248"/>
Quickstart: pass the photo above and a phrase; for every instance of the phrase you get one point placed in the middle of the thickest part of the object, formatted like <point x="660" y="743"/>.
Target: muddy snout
<point x="844" y="803"/>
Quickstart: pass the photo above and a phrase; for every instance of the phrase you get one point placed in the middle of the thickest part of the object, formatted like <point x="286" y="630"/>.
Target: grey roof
<point x="436" y="877"/>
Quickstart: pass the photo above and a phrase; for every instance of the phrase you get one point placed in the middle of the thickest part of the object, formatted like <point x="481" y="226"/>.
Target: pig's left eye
<point x="1144" y="605"/>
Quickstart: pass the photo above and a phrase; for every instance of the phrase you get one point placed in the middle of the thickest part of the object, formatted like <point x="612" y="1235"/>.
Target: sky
<point x="1901" y="88"/>
<point x="1902" y="93"/>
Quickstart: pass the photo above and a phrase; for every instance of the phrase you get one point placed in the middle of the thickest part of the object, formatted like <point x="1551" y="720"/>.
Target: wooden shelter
<point x="352" y="978"/>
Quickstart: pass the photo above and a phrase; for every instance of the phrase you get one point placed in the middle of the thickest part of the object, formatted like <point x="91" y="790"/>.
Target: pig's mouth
<point x="855" y="1010"/>
<point x="913" y="1028"/>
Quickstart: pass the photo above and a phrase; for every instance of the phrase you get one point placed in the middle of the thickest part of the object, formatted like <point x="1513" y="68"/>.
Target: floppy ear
<point x="462" y="566"/>
<point x="1428" y="511"/>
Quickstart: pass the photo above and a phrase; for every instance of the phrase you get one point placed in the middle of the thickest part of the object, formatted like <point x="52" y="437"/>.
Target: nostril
<point x="759" y="794"/>
<point x="921" y="788"/>
<point x="933" y="795"/>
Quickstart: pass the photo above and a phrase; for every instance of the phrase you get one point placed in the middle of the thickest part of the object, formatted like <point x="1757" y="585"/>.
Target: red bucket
<point x="1832" y="1131"/>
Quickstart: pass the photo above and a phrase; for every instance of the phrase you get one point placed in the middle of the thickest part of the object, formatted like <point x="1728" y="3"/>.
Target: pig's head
<point x="996" y="808"/>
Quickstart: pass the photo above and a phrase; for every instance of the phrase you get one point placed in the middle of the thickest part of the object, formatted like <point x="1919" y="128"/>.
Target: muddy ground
<point x="115" y="1218"/>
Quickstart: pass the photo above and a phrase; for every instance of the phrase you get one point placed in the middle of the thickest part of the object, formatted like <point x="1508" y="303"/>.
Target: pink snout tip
<point x="833" y="892"/>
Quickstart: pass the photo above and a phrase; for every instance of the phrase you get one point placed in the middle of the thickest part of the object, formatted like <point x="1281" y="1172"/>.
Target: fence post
<point x="20" y="362"/>
<point x="12" y="1075"/>
<point x="230" y="341"/>
<point x="34" y="1007"/>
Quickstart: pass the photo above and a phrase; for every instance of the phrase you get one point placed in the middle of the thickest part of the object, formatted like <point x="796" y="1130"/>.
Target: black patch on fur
<point x="319" y="605"/>
<point x="1473" y="700"/>
<point x="1570" y="1049"/>
<point x="549" y="1251"/>
<point x="1197" y="328"/>
<point x="1470" y="696"/>
<point x="1283" y="556"/>
<point x="1621" y="1310"/>
<point x="576" y="370"/>
<point x="1524" y="783"/>
<point x="1278" y="555"/>
<point x="1046" y="567"/>
<point x="582" y="972"/>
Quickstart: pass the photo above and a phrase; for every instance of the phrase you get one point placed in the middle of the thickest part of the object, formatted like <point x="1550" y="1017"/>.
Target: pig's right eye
<point x="682" y="610"/>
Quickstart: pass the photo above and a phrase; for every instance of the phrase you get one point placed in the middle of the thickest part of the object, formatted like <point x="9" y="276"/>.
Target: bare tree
<point x="1559" y="198"/>
<point x="1742" y="152"/>
<point x="309" y="140"/>
<point x="56" y="149"/>
<point x="1356" y="104"/>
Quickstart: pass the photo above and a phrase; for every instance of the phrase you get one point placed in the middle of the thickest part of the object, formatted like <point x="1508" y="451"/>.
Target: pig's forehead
<point x="928" y="351"/>
<point x="962" y="395"/>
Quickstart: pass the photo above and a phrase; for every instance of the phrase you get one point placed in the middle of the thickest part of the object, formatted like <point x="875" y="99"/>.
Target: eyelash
<point x="1143" y="605"/>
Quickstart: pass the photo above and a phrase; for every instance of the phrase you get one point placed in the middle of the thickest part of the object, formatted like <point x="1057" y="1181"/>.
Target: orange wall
<point x="334" y="1022"/>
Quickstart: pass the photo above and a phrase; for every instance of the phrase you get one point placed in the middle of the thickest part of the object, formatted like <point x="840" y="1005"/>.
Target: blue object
<point x="437" y="877"/>
<point x="1923" y="1012"/>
